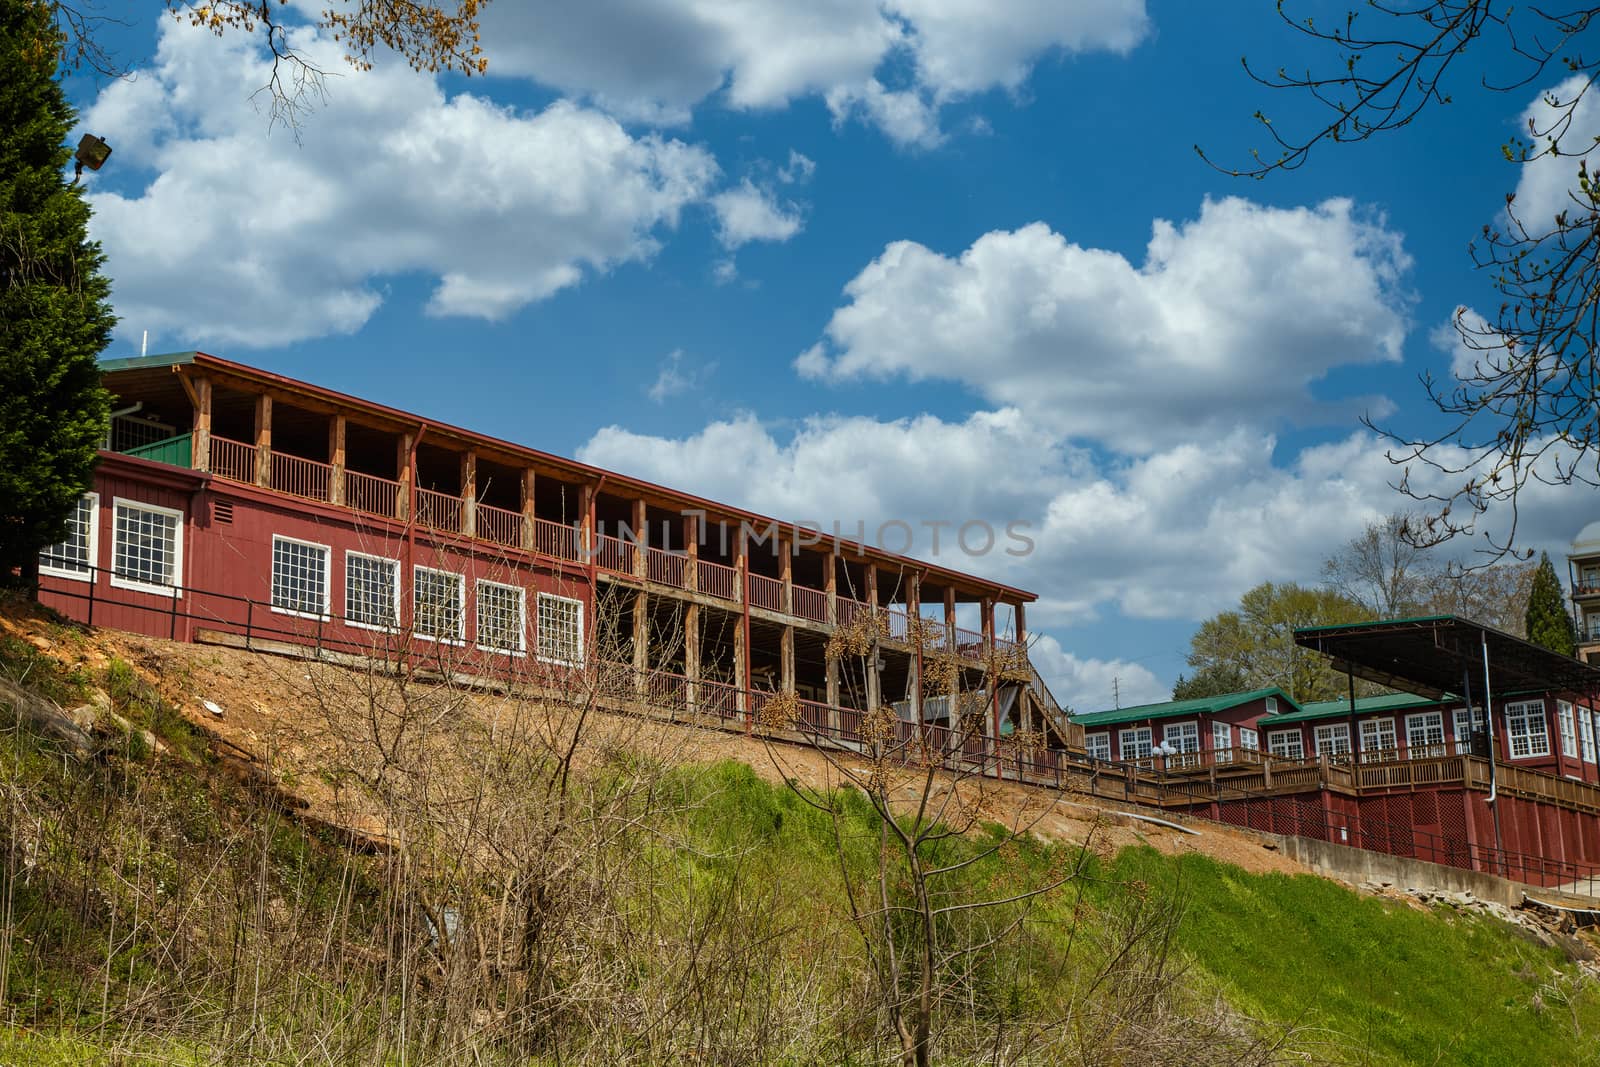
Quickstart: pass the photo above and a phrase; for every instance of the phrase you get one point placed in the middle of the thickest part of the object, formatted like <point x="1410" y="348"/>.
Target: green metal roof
<point x="1334" y="709"/>
<point x="160" y="359"/>
<point x="1174" y="708"/>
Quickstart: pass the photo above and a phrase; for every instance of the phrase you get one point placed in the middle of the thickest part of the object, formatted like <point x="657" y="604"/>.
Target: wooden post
<point x="741" y="561"/>
<point x="832" y="695"/>
<point x="786" y="573"/>
<point x="994" y="682"/>
<point x="336" y="435"/>
<point x="1021" y="616"/>
<point x="741" y="632"/>
<point x="402" y="463"/>
<point x="264" y="440"/>
<point x="529" y="541"/>
<point x="786" y="660"/>
<point x="589" y="543"/>
<point x="691" y="653"/>
<point x="950" y="617"/>
<point x="641" y="538"/>
<point x="200" y="443"/>
<point x="691" y="545"/>
<point x="872" y="588"/>
<point x="914" y="633"/>
<point x="830" y="586"/>
<point x="641" y="639"/>
<point x="469" y="493"/>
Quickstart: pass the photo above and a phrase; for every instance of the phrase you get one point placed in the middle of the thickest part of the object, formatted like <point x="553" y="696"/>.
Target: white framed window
<point x="1464" y="723"/>
<point x="1526" y="730"/>
<point x="1332" y="739"/>
<point x="559" y="629"/>
<point x="371" y="591"/>
<point x="1567" y="728"/>
<point x="1222" y="742"/>
<point x="1271" y="704"/>
<point x="1586" y="734"/>
<point x="438" y="605"/>
<point x="502" y="617"/>
<point x="1249" y="740"/>
<point x="146" y="547"/>
<point x="76" y="556"/>
<point x="300" y="578"/>
<point x="1134" y="743"/>
<point x="1185" y="737"/>
<point x="1425" y="733"/>
<point x="1286" y="744"/>
<point x="1098" y="746"/>
<point x="1378" y="739"/>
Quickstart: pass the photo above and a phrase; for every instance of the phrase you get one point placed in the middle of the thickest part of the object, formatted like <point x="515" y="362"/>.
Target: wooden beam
<point x="691" y="544"/>
<point x="263" y="429"/>
<point x="336" y="457"/>
<point x="528" y="513"/>
<point x="402" y="465"/>
<point x="469" y="493"/>
<point x="641" y="537"/>
<point x="786" y="573"/>
<point x="200" y="443"/>
<point x="786" y="659"/>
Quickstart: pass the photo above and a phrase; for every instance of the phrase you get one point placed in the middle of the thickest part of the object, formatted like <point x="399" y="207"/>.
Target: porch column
<point x="589" y="543"/>
<point x="1022" y="624"/>
<point x="469" y="493"/>
<point x="993" y="725"/>
<point x="786" y="573"/>
<point x="528" y="514"/>
<point x="950" y="618"/>
<point x="786" y="660"/>
<point x="741" y="630"/>
<point x="402" y="464"/>
<point x="832" y="696"/>
<point x="691" y="654"/>
<point x="264" y="440"/>
<point x="914" y="632"/>
<point x="641" y="639"/>
<point x="830" y="586"/>
<point x="336" y="435"/>
<point x="641" y="539"/>
<point x="691" y="546"/>
<point x="200" y="443"/>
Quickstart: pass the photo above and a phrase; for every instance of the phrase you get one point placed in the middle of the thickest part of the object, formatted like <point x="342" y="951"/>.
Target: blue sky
<point x="927" y="260"/>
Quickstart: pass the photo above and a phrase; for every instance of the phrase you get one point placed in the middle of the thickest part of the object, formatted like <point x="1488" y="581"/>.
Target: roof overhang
<point x="1442" y="654"/>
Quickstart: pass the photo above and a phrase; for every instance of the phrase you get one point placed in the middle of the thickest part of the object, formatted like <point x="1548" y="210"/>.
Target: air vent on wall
<point x="222" y="512"/>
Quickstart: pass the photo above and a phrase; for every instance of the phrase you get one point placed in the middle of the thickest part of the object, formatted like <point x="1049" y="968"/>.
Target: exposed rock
<point x="72" y="728"/>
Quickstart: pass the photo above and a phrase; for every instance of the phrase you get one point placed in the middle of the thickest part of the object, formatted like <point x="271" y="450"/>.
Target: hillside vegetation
<point x="166" y="902"/>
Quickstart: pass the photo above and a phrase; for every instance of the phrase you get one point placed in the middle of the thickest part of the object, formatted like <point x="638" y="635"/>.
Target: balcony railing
<point x="314" y="480"/>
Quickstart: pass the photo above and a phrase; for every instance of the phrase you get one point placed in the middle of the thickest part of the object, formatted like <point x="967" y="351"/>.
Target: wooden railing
<point x="372" y="494"/>
<point x="301" y="477"/>
<point x="615" y="554"/>
<point x="717" y="579"/>
<point x="809" y="603"/>
<point x="500" y="525"/>
<point x="666" y="567"/>
<point x="557" y="539"/>
<point x="849" y="610"/>
<point x="765" y="592"/>
<point x="233" y="460"/>
<point x="438" y="511"/>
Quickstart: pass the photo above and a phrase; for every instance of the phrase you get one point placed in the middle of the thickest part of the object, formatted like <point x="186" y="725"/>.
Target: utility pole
<point x="1116" y="692"/>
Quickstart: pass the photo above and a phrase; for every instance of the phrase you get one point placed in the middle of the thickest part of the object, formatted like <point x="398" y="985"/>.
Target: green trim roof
<point x="1173" y="708"/>
<point x="1334" y="709"/>
<point x="1374" y="622"/>
<point x="160" y="359"/>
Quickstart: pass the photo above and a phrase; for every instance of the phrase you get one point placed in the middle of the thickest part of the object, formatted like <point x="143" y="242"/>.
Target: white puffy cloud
<point x="244" y="239"/>
<point x="1545" y="185"/>
<point x="1088" y="684"/>
<point x="748" y="213"/>
<point x="1231" y="318"/>
<point x="655" y="60"/>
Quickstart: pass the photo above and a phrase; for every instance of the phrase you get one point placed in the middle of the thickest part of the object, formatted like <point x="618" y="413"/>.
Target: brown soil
<point x="273" y="719"/>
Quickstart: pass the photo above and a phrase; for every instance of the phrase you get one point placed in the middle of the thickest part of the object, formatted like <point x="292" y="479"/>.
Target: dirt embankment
<point x="286" y="719"/>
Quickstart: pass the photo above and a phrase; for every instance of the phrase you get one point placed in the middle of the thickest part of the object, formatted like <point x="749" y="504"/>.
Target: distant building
<point x="1583" y="574"/>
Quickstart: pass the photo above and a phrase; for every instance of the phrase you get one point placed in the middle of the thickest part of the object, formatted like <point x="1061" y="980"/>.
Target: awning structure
<point x="1437" y="654"/>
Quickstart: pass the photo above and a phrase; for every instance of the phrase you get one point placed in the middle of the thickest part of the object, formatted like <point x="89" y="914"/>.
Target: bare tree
<point x="1524" y="411"/>
<point x="1382" y="568"/>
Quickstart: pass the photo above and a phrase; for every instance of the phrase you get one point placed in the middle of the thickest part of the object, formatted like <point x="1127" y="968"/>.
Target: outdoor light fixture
<point x="92" y="153"/>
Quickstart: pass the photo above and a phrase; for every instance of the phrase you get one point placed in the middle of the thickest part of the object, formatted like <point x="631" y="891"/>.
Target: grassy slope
<point x="1379" y="982"/>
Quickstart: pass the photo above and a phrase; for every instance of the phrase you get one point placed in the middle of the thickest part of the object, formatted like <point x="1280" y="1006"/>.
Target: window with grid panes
<point x="146" y="547"/>
<point x="1135" y="743"/>
<point x="1568" y="729"/>
<point x="1249" y="740"/>
<point x="1465" y="722"/>
<point x="299" y="577"/>
<point x="371" y="591"/>
<point x="1098" y="746"/>
<point x="436" y="604"/>
<point x="1288" y="744"/>
<point x="1378" y="738"/>
<point x="1586" y="733"/>
<point x="500" y="617"/>
<point x="1526" y="730"/>
<point x="75" y="556"/>
<point x="559" y="629"/>
<point x="1332" y="739"/>
<point x="1222" y="741"/>
<point x="1425" y="733"/>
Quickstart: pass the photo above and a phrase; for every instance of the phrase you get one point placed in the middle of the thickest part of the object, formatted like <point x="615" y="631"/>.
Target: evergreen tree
<point x="54" y="312"/>
<point x="1549" y="625"/>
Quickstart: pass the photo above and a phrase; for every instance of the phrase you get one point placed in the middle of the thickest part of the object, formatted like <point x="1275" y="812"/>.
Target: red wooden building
<point x="233" y="501"/>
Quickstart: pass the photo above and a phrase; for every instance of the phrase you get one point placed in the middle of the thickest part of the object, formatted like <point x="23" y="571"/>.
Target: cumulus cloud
<point x="1087" y="684"/>
<point x="243" y="239"/>
<point x="656" y="60"/>
<point x="1231" y="317"/>
<point x="747" y="213"/>
<point x="1545" y="186"/>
